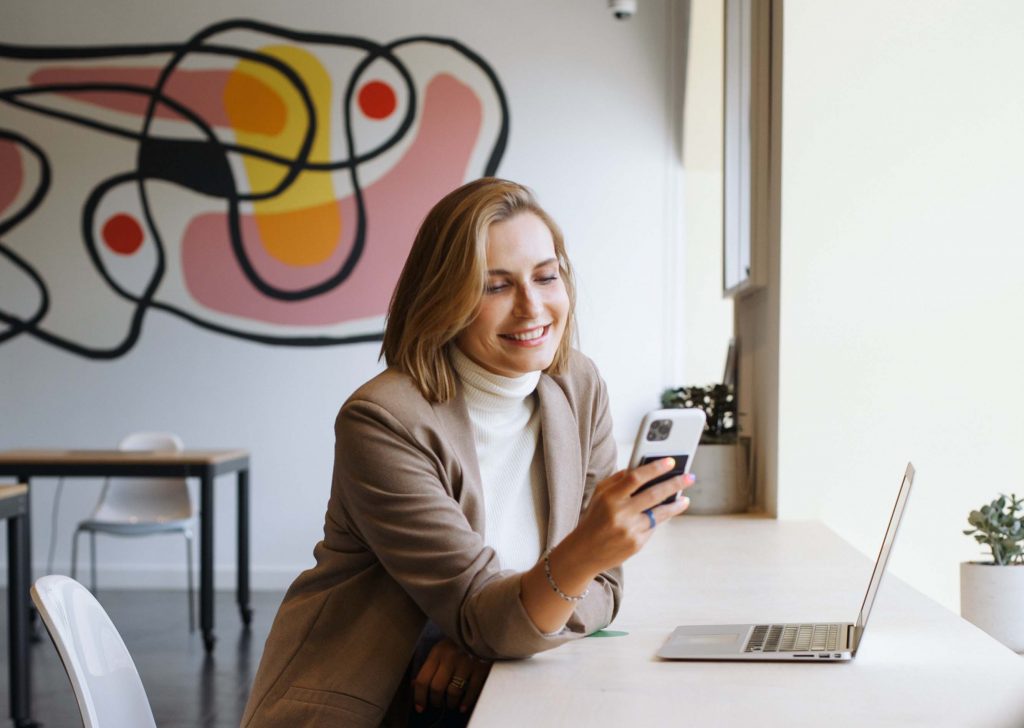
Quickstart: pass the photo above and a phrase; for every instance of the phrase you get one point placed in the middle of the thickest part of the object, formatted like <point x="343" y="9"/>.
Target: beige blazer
<point x="404" y="542"/>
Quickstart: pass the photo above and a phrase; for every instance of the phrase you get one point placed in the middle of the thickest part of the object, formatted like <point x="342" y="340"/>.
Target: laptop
<point x="827" y="641"/>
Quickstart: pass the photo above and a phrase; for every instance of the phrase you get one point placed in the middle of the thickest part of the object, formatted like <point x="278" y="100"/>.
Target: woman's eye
<point x="495" y="288"/>
<point x="548" y="279"/>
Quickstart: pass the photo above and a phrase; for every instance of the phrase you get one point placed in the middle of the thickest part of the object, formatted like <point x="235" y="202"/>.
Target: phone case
<point x="668" y="433"/>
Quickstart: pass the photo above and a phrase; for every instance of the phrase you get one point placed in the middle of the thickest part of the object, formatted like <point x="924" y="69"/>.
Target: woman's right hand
<point x="613" y="527"/>
<point x="615" y="524"/>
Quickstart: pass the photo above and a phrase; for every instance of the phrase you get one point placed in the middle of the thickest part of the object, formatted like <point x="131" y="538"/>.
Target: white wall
<point x="902" y="248"/>
<point x="591" y="130"/>
<point x="708" y="323"/>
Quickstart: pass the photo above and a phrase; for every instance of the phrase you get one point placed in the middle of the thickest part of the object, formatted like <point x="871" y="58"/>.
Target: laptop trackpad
<point x="705" y="641"/>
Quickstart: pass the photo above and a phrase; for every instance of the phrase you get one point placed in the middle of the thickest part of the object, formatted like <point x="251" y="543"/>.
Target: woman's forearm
<point x="547" y="610"/>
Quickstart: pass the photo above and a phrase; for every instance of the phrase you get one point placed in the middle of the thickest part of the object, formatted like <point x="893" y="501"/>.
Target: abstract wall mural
<point x="257" y="181"/>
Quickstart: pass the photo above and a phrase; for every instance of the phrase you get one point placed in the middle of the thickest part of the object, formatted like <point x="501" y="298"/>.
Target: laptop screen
<point x="883" y="555"/>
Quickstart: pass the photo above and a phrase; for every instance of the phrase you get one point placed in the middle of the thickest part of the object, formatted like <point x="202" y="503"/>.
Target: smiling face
<point x="522" y="315"/>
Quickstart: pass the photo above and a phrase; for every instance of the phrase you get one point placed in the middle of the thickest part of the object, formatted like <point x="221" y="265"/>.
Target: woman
<point x="473" y="512"/>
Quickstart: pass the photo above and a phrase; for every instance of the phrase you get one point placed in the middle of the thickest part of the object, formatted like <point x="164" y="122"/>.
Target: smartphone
<point x="671" y="433"/>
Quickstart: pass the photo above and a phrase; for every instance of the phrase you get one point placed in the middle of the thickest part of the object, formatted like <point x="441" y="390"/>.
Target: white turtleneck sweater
<point x="506" y="429"/>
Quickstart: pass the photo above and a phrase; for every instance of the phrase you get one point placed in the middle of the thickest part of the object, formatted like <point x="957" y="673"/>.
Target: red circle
<point x="377" y="100"/>
<point x="123" y="234"/>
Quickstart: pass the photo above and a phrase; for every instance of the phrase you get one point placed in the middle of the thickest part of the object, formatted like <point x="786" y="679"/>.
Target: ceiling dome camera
<point x="622" y="9"/>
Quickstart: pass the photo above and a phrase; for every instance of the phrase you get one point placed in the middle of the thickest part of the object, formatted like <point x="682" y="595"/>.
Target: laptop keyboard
<point x="794" y="638"/>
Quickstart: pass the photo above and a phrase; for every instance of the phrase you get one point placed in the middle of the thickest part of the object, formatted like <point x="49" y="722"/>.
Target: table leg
<point x="33" y="616"/>
<point x="243" y="547"/>
<point x="206" y="517"/>
<point x="18" y="619"/>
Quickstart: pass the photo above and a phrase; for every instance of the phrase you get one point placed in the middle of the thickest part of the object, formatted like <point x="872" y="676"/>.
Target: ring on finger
<point x="457" y="683"/>
<point x="650" y="517"/>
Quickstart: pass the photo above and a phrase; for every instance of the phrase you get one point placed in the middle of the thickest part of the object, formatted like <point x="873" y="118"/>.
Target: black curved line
<point x="295" y="166"/>
<point x="75" y="348"/>
<point x="17" y="324"/>
<point x="180" y="108"/>
<point x="42" y="187"/>
<point x="92" y="203"/>
<point x="238" y="247"/>
<point x="360" y="235"/>
<point x="233" y="199"/>
<point x="50" y="53"/>
<point x="178" y="50"/>
<point x="283" y="32"/>
<point x="156" y="95"/>
<point x="359" y="239"/>
<point x="31" y="326"/>
<point x="234" y="223"/>
<point x="284" y="69"/>
<point x="498" y="151"/>
<point x="267" y="339"/>
<point x="13" y="96"/>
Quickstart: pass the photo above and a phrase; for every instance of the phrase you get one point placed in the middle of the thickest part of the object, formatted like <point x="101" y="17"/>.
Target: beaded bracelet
<point x="554" y="586"/>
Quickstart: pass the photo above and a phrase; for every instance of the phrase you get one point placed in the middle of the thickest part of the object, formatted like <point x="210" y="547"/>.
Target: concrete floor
<point x="187" y="688"/>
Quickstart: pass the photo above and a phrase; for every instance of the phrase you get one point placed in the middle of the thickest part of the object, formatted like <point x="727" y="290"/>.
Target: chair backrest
<point x="107" y="685"/>
<point x="146" y="499"/>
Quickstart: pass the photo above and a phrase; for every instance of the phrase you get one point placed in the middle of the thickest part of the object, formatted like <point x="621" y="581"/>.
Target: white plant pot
<point x="992" y="597"/>
<point x="721" y="472"/>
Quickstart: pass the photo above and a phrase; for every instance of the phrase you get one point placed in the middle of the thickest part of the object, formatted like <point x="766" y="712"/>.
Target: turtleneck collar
<point x="494" y="388"/>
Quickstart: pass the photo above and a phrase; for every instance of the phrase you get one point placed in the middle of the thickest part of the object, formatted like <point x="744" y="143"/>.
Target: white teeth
<point x="528" y="335"/>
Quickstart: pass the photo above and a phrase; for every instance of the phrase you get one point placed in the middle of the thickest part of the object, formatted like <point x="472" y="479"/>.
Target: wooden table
<point x="203" y="464"/>
<point x="14" y="509"/>
<point x="919" y="664"/>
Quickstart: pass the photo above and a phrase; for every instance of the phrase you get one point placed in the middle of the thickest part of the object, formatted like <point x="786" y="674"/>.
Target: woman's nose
<point x="527" y="302"/>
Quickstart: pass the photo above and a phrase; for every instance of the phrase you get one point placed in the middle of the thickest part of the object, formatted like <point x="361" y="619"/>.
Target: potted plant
<point x="992" y="592"/>
<point x="721" y="461"/>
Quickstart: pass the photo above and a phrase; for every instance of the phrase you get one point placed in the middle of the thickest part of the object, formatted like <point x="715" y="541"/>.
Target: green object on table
<point x="608" y="633"/>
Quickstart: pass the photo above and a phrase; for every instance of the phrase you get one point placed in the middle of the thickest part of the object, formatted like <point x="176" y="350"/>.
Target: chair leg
<point x="188" y="564"/>
<point x="74" y="553"/>
<point x="92" y="558"/>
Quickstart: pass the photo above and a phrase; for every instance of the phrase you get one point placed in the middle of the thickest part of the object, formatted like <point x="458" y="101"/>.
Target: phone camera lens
<point x="659" y="430"/>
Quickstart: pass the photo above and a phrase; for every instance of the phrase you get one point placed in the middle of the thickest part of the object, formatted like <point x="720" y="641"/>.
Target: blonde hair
<point x="442" y="283"/>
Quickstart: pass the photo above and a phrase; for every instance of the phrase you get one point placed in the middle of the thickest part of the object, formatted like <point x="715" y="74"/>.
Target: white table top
<point x="918" y="665"/>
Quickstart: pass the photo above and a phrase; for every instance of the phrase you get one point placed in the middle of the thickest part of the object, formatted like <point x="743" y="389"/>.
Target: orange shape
<point x="301" y="237"/>
<point x="253" y="106"/>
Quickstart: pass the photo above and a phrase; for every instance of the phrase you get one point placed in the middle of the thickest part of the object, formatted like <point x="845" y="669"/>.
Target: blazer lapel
<point x="563" y="465"/>
<point x="458" y="431"/>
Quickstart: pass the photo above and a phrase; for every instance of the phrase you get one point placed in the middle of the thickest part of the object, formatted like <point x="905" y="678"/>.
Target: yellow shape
<point x="302" y="225"/>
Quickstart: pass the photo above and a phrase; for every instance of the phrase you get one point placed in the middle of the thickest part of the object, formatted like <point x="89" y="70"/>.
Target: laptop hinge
<point x="852" y="637"/>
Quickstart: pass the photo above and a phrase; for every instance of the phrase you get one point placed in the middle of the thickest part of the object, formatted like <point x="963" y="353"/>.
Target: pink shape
<point x="214" y="226"/>
<point x="12" y="173"/>
<point x="396" y="204"/>
<point x="202" y="92"/>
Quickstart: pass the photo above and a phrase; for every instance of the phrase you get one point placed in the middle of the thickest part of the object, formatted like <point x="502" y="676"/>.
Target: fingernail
<point x="670" y="463"/>
<point x="686" y="501"/>
<point x="691" y="478"/>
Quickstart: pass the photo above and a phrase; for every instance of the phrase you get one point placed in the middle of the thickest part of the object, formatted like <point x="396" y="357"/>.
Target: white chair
<point x="107" y="686"/>
<point x="142" y="506"/>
